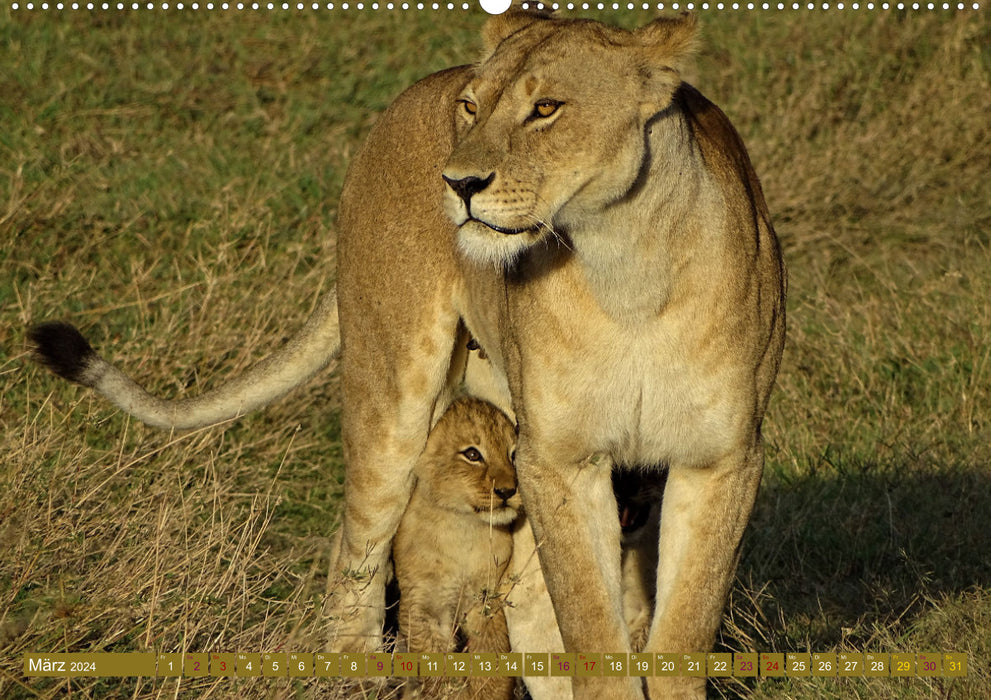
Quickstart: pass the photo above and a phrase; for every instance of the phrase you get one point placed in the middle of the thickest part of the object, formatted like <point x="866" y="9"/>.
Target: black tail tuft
<point x="62" y="349"/>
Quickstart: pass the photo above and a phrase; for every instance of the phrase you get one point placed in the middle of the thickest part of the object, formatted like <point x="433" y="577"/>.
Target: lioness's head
<point x="467" y="464"/>
<point x="552" y="129"/>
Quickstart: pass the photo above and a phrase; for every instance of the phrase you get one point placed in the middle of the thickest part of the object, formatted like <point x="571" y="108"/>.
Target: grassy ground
<point x="168" y="182"/>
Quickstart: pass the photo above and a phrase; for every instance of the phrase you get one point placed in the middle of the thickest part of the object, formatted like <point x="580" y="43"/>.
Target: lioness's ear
<point x="666" y="44"/>
<point x="670" y="40"/>
<point x="499" y="27"/>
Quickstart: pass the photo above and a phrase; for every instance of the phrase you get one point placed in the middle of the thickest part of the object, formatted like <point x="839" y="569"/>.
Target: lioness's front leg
<point x="704" y="515"/>
<point x="572" y="510"/>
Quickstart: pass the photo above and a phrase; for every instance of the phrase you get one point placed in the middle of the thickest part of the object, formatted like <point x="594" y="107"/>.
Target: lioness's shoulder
<point x="720" y="143"/>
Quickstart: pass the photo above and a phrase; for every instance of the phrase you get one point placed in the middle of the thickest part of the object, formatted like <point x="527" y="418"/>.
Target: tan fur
<point x="455" y="540"/>
<point x="620" y="272"/>
<point x="596" y="225"/>
<point x="529" y="611"/>
<point x="314" y="346"/>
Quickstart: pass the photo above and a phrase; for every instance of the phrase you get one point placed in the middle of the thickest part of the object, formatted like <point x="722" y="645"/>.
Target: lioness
<point x="455" y="539"/>
<point x="612" y="254"/>
<point x="595" y="223"/>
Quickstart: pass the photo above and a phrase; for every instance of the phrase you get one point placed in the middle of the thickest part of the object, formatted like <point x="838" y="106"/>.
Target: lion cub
<point x="455" y="539"/>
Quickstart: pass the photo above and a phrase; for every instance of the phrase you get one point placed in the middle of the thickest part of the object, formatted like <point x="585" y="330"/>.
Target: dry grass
<point x="171" y="187"/>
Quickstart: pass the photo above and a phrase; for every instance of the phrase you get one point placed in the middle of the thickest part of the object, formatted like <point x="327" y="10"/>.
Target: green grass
<point x="169" y="182"/>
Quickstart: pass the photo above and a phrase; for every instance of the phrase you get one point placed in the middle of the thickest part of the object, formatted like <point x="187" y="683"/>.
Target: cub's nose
<point x="467" y="187"/>
<point x="505" y="494"/>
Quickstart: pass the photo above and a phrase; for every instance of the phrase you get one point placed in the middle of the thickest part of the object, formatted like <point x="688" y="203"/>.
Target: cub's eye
<point x="545" y="108"/>
<point x="472" y="454"/>
<point x="469" y="107"/>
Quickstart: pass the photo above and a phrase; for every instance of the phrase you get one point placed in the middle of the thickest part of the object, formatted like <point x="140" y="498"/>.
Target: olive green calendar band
<point x="332" y="665"/>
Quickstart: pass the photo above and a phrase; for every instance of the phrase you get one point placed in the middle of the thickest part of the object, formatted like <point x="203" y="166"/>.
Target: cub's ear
<point x="499" y="27"/>
<point x="666" y="46"/>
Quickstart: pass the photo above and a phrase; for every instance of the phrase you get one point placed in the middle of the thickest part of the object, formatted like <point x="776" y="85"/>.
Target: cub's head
<point x="467" y="465"/>
<point x="552" y="128"/>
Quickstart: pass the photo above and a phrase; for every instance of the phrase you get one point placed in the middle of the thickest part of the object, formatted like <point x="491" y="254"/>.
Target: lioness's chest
<point x="639" y="397"/>
<point x="663" y="389"/>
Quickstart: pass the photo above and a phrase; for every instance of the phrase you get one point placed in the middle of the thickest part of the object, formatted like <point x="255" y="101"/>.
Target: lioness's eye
<point x="472" y="454"/>
<point x="545" y="108"/>
<point x="469" y="106"/>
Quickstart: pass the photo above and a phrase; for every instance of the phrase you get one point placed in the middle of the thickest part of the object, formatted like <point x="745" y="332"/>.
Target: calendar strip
<point x="331" y="665"/>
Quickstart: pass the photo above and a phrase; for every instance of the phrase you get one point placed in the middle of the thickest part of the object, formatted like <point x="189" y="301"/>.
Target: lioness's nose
<point x="466" y="187"/>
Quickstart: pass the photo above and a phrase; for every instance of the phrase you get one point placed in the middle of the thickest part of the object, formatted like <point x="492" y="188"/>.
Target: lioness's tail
<point x="63" y="349"/>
